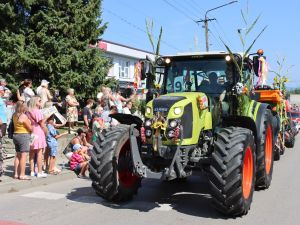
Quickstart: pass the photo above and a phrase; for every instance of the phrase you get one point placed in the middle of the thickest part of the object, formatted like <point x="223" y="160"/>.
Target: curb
<point x="11" y="185"/>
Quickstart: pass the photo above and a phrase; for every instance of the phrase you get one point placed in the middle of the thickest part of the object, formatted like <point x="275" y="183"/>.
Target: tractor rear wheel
<point x="265" y="153"/>
<point x="232" y="172"/>
<point x="111" y="169"/>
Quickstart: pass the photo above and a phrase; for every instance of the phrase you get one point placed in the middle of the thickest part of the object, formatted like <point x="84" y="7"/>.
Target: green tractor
<point x="199" y="116"/>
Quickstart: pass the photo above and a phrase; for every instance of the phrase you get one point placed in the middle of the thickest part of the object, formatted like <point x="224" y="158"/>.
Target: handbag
<point x="10" y="130"/>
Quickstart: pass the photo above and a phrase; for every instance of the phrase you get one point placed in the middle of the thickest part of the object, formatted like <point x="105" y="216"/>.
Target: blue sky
<point x="126" y="25"/>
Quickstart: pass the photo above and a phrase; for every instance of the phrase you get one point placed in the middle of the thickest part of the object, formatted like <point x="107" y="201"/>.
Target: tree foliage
<point x="49" y="39"/>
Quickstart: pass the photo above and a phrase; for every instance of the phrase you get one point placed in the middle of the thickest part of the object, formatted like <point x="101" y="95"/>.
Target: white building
<point x="124" y="59"/>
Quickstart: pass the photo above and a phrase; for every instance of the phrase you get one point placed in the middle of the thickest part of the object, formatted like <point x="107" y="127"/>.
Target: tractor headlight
<point x="173" y="123"/>
<point x="148" y="123"/>
<point x="177" y="111"/>
<point x="160" y="61"/>
<point x="227" y="58"/>
<point x="168" y="60"/>
<point x="148" y="110"/>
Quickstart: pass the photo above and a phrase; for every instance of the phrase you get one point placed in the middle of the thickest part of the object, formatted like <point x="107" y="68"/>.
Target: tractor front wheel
<point x="111" y="169"/>
<point x="232" y="172"/>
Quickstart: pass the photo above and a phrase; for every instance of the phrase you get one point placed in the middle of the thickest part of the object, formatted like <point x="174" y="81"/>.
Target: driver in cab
<point x="211" y="87"/>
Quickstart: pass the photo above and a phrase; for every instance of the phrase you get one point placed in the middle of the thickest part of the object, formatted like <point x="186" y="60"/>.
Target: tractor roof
<point x="212" y="53"/>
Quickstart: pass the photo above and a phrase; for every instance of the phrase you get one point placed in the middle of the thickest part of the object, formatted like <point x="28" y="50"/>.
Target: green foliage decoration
<point x="245" y="78"/>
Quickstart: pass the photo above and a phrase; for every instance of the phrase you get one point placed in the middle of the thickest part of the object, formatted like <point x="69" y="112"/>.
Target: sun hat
<point x="44" y="83"/>
<point x="76" y="147"/>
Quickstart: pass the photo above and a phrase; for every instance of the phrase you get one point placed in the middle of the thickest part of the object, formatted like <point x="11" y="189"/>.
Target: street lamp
<point x="206" y="20"/>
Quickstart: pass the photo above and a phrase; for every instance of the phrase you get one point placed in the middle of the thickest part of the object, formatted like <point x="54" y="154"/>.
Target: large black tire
<point x="290" y="141"/>
<point x="232" y="172"/>
<point x="265" y="153"/>
<point x="111" y="167"/>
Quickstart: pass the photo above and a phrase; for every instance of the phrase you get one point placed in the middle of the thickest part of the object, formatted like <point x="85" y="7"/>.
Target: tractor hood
<point x="188" y="109"/>
<point x="173" y="105"/>
<point x="164" y="103"/>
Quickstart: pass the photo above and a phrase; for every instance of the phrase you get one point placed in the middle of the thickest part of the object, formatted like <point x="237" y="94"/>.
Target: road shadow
<point x="9" y="170"/>
<point x="191" y="197"/>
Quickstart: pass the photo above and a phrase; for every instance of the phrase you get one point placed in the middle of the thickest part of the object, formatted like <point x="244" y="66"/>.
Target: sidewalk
<point x="8" y="184"/>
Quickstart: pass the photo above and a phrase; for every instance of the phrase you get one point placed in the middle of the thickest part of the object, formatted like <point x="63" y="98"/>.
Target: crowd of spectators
<point x="35" y="135"/>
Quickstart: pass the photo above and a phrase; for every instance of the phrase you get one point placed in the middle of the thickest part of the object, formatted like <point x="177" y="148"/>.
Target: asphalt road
<point x="74" y="202"/>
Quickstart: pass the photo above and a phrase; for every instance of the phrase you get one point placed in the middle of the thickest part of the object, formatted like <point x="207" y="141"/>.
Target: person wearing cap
<point x="43" y="92"/>
<point x="78" y="163"/>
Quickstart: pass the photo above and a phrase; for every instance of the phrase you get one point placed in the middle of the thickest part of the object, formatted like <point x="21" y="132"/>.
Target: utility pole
<point x="206" y="20"/>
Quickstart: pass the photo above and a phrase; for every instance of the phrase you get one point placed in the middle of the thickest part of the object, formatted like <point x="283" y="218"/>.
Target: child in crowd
<point x="97" y="125"/>
<point x="52" y="144"/>
<point x="78" y="161"/>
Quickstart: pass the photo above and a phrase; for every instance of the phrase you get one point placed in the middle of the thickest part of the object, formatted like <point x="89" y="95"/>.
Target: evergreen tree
<point x="12" y="38"/>
<point x="54" y="43"/>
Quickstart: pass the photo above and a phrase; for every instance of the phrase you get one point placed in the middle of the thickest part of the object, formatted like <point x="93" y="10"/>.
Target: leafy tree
<point x="12" y="38"/>
<point x="53" y="43"/>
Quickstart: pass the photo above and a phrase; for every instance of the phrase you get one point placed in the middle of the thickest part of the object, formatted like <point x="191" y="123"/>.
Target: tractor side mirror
<point x="146" y="69"/>
<point x="143" y="73"/>
<point x="256" y="64"/>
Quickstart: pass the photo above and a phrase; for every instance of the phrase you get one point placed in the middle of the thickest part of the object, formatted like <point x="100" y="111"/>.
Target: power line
<point x="139" y="29"/>
<point x="130" y="6"/>
<point x="222" y="30"/>
<point x="219" y="34"/>
<point x="218" y="41"/>
<point x="185" y="7"/>
<point x="179" y="10"/>
<point x="196" y="3"/>
<point x="197" y="8"/>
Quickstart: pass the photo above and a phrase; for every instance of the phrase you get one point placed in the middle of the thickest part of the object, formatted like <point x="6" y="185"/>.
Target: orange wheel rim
<point x="268" y="151"/>
<point x="126" y="177"/>
<point x="247" y="173"/>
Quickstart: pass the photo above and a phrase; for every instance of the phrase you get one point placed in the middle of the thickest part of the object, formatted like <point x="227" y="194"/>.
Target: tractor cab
<point x="209" y="75"/>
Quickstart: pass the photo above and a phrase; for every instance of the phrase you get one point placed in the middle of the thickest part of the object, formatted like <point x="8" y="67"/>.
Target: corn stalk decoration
<point x="281" y="75"/>
<point x="155" y="48"/>
<point x="245" y="78"/>
<point x="280" y="80"/>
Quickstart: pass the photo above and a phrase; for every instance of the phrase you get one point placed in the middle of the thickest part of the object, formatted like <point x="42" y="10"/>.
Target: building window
<point x="124" y="69"/>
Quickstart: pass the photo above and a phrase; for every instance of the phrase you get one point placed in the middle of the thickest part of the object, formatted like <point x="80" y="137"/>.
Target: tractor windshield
<point x="210" y="76"/>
